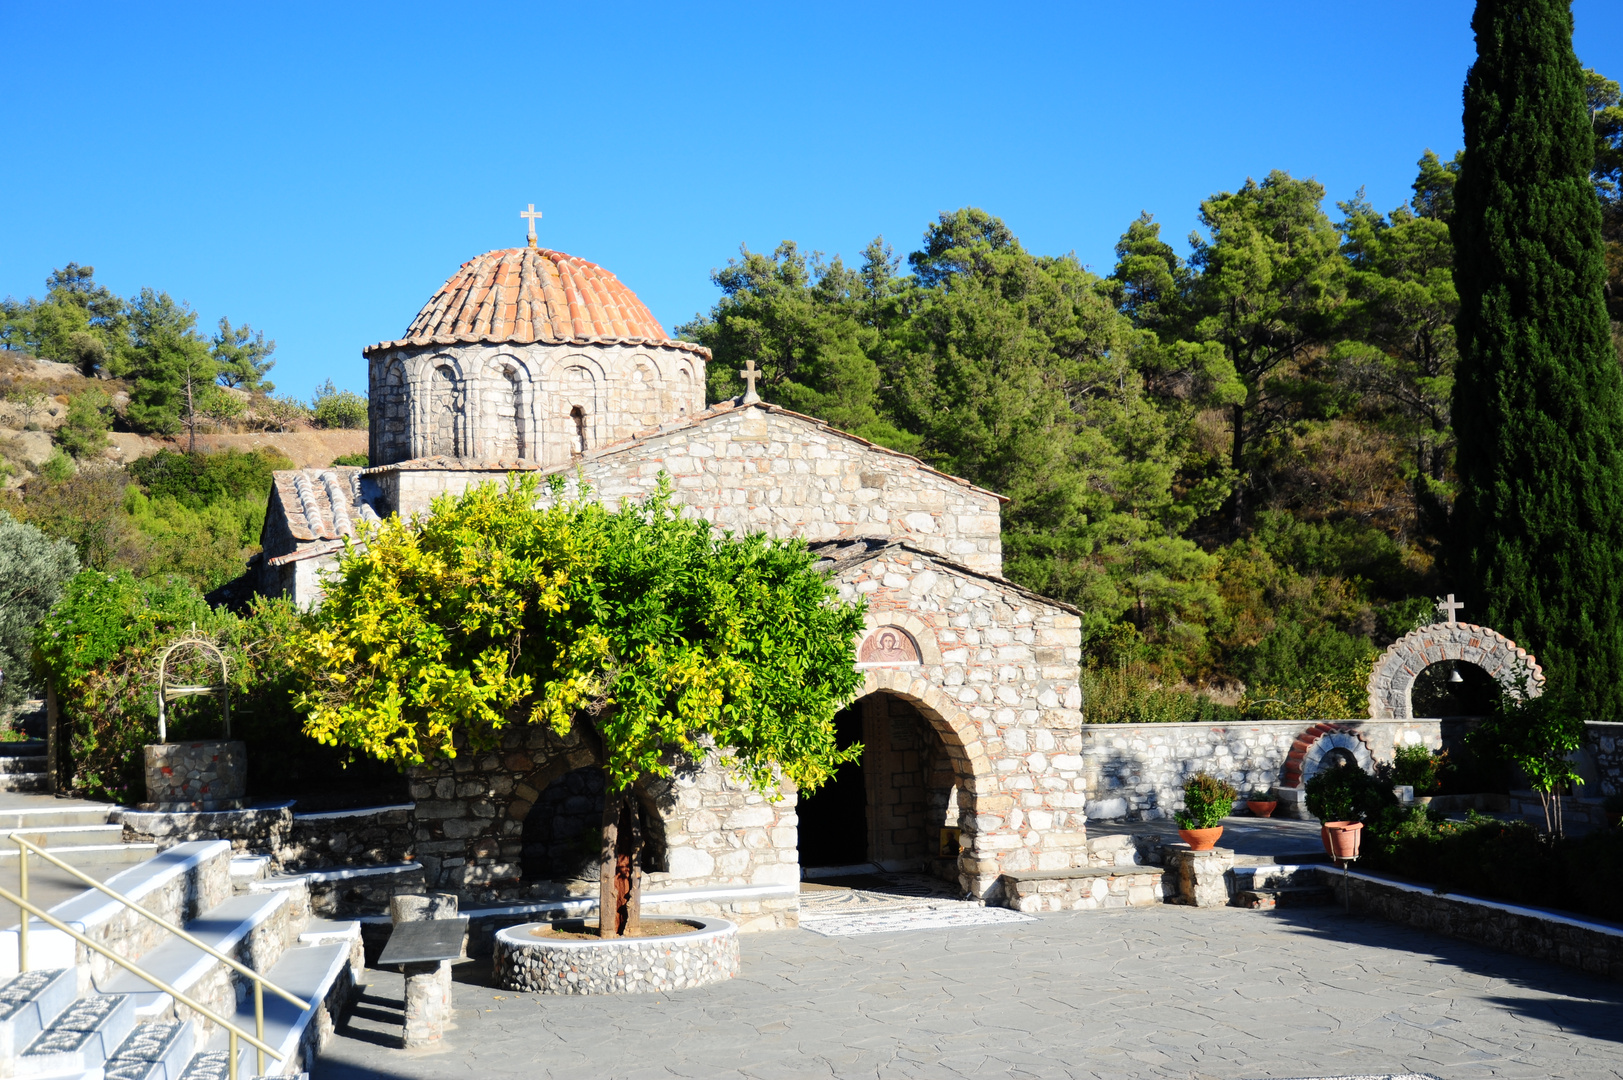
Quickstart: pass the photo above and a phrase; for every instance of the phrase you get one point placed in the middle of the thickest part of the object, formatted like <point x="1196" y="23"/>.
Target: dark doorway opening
<point x="834" y="819"/>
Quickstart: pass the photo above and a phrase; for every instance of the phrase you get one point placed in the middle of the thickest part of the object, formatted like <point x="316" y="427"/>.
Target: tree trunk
<point x="619" y="890"/>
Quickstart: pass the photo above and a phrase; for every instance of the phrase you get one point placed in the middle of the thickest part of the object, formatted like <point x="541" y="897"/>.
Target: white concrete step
<point x="153" y="1052"/>
<point x="29" y="1002"/>
<point x="61" y="836"/>
<point x="91" y="910"/>
<point x="26" y="782"/>
<point x="309" y="972"/>
<point x="53" y="816"/>
<point x="11" y="765"/>
<point x="80" y="1038"/>
<point x="182" y="964"/>
<point x="87" y="854"/>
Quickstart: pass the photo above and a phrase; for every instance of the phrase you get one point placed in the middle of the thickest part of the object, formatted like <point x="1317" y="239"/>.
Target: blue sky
<point x="319" y="170"/>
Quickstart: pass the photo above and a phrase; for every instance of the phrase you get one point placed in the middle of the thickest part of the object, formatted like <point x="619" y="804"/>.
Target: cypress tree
<point x="1537" y="544"/>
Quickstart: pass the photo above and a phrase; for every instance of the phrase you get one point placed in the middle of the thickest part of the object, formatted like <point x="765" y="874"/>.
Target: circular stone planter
<point x="546" y="965"/>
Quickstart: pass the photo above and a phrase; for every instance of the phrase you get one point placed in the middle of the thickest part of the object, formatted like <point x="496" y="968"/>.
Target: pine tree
<point x="1537" y="528"/>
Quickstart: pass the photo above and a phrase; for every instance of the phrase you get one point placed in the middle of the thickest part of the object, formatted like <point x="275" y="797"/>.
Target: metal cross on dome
<point x="533" y="214"/>
<point x="1451" y="606"/>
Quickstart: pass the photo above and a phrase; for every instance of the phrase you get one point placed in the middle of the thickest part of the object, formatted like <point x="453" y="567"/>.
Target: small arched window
<point x="578" y="415"/>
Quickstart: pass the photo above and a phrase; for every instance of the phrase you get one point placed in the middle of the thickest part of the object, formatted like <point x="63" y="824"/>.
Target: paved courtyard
<point x="1226" y="994"/>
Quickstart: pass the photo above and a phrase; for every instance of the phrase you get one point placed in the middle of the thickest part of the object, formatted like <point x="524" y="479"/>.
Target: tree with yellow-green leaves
<point x="647" y="631"/>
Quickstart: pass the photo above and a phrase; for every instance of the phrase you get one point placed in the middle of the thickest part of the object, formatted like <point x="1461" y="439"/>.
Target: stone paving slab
<point x="1192" y="994"/>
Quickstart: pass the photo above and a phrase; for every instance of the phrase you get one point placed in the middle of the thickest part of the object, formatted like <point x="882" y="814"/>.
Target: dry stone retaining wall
<point x="1137" y="771"/>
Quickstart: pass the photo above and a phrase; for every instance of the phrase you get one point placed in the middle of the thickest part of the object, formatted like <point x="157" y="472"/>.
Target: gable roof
<point x="321" y="504"/>
<point x="838" y="556"/>
<point x="727" y="408"/>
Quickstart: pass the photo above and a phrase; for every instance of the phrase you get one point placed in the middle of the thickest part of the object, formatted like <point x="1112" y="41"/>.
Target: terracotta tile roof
<point x="528" y="295"/>
<point x="321" y="504"/>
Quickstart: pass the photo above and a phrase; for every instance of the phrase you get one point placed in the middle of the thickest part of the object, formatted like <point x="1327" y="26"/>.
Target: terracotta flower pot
<point x="1201" y="839"/>
<point x="1262" y="809"/>
<point x="1341" y="838"/>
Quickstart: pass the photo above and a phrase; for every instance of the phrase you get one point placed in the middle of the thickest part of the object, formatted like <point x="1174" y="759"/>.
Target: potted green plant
<point x="1261" y="802"/>
<point x="1419" y="768"/>
<point x="1341" y="797"/>
<point x="1206" y="802"/>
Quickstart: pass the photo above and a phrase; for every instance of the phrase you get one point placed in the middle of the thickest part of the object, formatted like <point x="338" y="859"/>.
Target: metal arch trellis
<point x="167" y="693"/>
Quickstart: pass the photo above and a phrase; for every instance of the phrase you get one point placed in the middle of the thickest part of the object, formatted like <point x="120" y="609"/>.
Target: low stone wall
<point x="260" y="829"/>
<point x="372" y="836"/>
<point x="617" y="966"/>
<point x="1137" y="771"/>
<point x="1088" y="889"/>
<point x="1542" y="935"/>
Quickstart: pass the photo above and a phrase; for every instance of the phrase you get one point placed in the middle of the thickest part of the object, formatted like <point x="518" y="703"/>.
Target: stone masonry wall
<point x="762" y="469"/>
<point x="470" y="822"/>
<point x="997" y="679"/>
<point x="1137" y="771"/>
<point x="516" y="401"/>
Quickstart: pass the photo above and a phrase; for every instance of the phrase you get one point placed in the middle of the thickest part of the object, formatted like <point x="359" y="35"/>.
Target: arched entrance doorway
<point x="896" y="807"/>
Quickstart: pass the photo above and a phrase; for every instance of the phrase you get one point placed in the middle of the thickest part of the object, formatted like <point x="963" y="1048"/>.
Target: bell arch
<point x="1391" y="683"/>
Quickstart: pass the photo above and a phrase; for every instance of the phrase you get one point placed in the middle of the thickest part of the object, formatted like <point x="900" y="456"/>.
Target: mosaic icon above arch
<point x="1391" y="683"/>
<point x="888" y="646"/>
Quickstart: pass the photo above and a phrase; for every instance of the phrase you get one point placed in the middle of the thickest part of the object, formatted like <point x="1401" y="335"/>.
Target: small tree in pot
<point x="1341" y="796"/>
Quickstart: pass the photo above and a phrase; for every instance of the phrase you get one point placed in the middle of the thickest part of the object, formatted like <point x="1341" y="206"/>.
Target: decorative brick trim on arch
<point x="1392" y="681"/>
<point x="1301" y="758"/>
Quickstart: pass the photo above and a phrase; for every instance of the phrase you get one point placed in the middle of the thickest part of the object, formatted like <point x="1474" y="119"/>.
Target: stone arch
<point x="446" y="400"/>
<point x="1391" y="683"/>
<point x="1312" y="746"/>
<point x="653" y="795"/>
<point x="507" y="406"/>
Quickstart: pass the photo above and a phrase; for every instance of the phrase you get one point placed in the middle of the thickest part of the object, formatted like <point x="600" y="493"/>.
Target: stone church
<point x="533" y="360"/>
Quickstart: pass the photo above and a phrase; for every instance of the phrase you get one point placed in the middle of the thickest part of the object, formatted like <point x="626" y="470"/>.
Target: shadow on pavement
<point x="1585" y="1004"/>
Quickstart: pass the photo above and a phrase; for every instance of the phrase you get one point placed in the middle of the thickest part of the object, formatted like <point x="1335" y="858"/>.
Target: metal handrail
<point x="261" y="983"/>
<point x="198" y="1007"/>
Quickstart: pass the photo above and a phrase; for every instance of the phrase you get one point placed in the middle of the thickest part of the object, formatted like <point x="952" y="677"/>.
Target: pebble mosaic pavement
<point x="1192" y="994"/>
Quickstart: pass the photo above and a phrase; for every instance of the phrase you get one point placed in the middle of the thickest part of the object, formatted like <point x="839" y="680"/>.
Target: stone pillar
<point x="1202" y="875"/>
<point x="428" y="986"/>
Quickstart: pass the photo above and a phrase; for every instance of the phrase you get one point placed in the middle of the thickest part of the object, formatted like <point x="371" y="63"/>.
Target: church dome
<point x="532" y="295"/>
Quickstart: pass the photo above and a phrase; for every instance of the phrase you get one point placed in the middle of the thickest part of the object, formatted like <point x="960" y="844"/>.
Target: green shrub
<point x="1347" y="793"/>
<point x="359" y="460"/>
<point x="99" y="646"/>
<point x="84" y="430"/>
<point x="335" y="408"/>
<point x="1128" y="694"/>
<point x="1419" y="768"/>
<point x="199" y="480"/>
<point x="1206" y="802"/>
<point x="1494" y="859"/>
<point x="34" y="569"/>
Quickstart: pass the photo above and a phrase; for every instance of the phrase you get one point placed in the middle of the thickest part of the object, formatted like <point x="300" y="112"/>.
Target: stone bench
<point x="1088" y="888"/>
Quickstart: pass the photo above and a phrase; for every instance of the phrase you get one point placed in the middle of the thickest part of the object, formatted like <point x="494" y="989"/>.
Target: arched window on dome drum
<point x="577" y="416"/>
<point x="506" y="409"/>
<point x="443" y="407"/>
